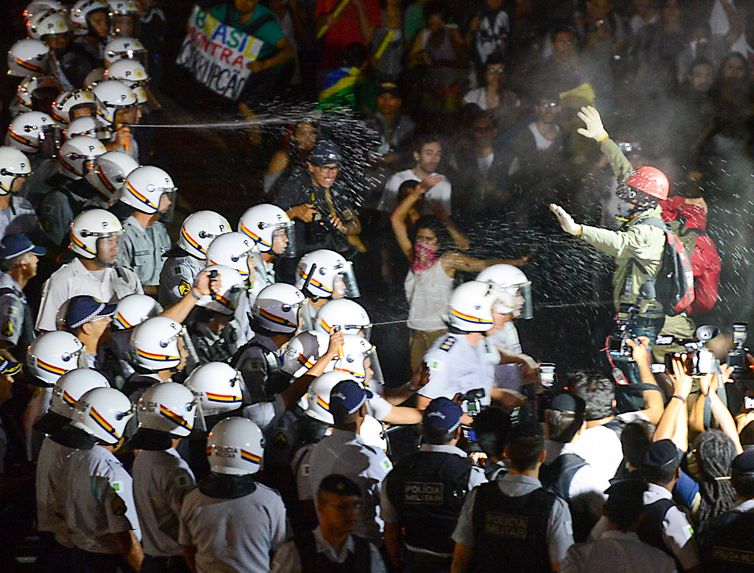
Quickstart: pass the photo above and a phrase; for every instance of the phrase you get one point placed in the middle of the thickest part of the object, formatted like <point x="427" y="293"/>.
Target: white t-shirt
<point x="440" y="192"/>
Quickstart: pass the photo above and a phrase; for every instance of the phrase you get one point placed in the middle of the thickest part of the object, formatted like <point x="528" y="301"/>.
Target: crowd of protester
<point x="200" y="390"/>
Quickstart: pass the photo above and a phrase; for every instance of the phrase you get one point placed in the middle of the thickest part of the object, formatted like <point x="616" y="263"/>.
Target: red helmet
<point x="651" y="181"/>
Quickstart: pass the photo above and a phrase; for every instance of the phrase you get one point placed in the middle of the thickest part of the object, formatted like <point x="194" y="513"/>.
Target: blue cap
<point x="442" y="414"/>
<point x="19" y="244"/>
<point x="84" y="308"/>
<point x="325" y="153"/>
<point x="346" y="398"/>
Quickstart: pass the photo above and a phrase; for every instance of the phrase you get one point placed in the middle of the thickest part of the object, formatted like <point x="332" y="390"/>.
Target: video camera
<point x="471" y="401"/>
<point x="700" y="359"/>
<point x="737" y="358"/>
<point x="617" y="345"/>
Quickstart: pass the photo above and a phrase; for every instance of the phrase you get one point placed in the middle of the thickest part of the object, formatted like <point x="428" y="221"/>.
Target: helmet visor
<point x="285" y="232"/>
<point x="345" y="284"/>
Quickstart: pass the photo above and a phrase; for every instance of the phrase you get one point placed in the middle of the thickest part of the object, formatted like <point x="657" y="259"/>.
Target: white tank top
<point x="428" y="294"/>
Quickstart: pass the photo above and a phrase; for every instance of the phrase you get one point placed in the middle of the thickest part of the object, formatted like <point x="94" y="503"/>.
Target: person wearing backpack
<point x="638" y="247"/>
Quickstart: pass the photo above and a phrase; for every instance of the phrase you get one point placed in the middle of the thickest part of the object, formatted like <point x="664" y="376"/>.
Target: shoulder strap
<point x="653" y="222"/>
<point x="6" y="290"/>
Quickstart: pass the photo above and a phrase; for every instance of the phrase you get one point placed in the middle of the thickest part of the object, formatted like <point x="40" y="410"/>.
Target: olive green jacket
<point x="644" y="244"/>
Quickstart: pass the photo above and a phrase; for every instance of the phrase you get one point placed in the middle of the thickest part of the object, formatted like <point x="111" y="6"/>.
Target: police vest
<point x="557" y="477"/>
<point x="650" y="530"/>
<point x="360" y="561"/>
<point x="725" y="544"/>
<point x="428" y="490"/>
<point x="511" y="532"/>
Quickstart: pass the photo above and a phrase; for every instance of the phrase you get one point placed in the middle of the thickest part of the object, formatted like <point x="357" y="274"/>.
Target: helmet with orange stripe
<point x="232" y="250"/>
<point x="326" y="274"/>
<point x="167" y="407"/>
<point x="110" y="171"/>
<point x="28" y="57"/>
<point x="276" y="308"/>
<point x="134" y="309"/>
<point x="303" y="351"/>
<point x="347" y="315"/>
<point x="88" y="228"/>
<point x="77" y="156"/>
<point x="232" y="287"/>
<point x="154" y="344"/>
<point x="269" y="227"/>
<point x="219" y="386"/>
<point x="145" y="187"/>
<point x="471" y="306"/>
<point x="199" y="230"/>
<point x="66" y="393"/>
<point x="103" y="413"/>
<point x="318" y="395"/>
<point x="235" y="446"/>
<point x="52" y="354"/>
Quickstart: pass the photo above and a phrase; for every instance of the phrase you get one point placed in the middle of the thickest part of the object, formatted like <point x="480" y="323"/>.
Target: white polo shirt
<point x="72" y="279"/>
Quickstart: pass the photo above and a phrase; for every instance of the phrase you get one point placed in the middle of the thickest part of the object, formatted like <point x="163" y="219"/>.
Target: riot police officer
<point x="423" y="494"/>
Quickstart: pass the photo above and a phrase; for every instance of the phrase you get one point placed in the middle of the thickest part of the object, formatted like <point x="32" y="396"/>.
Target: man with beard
<point x="427" y="155"/>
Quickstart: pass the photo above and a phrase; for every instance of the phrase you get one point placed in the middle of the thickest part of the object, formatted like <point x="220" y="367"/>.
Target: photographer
<point x="324" y="213"/>
<point x="637" y="248"/>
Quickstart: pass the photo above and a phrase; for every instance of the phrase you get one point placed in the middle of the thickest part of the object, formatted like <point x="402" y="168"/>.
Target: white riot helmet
<point x="345" y="314"/>
<point x="324" y="272"/>
<point x="261" y="222"/>
<point x="52" y="354"/>
<point x="303" y="351"/>
<point x="71" y="386"/>
<point x="110" y="171"/>
<point x="47" y="23"/>
<point x="318" y="395"/>
<point x="13" y="165"/>
<point x="130" y="72"/>
<point x="276" y="308"/>
<point x="88" y="126"/>
<point x="134" y="309"/>
<point x="27" y="131"/>
<point x="77" y="156"/>
<point x="219" y="387"/>
<point x="167" y="407"/>
<point x="232" y="250"/>
<point x="80" y="11"/>
<point x="355" y="357"/>
<point x="113" y="95"/>
<point x="29" y="85"/>
<point x="103" y="413"/>
<point x="90" y="226"/>
<point x="123" y="47"/>
<point x="470" y="306"/>
<point x="235" y="446"/>
<point x="514" y="290"/>
<point x="232" y="287"/>
<point x="37" y="6"/>
<point x="67" y="102"/>
<point x="199" y="230"/>
<point x="94" y="77"/>
<point x="154" y="344"/>
<point x="28" y="57"/>
<point x="145" y="186"/>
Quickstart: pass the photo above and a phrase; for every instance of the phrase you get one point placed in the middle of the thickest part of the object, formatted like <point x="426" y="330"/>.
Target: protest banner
<point x="217" y="54"/>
